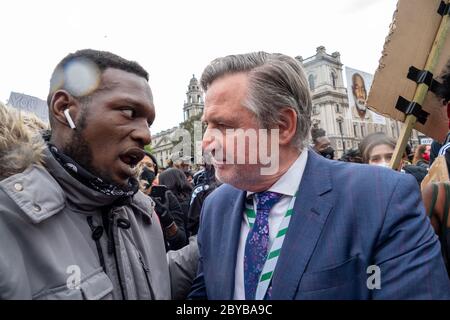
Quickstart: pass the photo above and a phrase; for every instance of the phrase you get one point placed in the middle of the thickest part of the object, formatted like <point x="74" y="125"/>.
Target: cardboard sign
<point x="437" y="173"/>
<point x="411" y="36"/>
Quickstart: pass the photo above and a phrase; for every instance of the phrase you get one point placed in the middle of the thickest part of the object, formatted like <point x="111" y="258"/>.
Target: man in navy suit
<point x="306" y="227"/>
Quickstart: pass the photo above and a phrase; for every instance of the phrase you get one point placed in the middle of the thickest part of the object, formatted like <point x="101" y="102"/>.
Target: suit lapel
<point x="311" y="209"/>
<point x="229" y="247"/>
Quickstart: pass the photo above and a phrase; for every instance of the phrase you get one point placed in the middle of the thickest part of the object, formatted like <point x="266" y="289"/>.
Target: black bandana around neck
<point x="90" y="180"/>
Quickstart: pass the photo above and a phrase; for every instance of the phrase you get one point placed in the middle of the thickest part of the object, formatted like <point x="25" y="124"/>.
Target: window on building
<point x="333" y="79"/>
<point x="338" y="108"/>
<point x="341" y="131"/>
<point x="355" y="130"/>
<point x="363" y="131"/>
<point x="311" y="82"/>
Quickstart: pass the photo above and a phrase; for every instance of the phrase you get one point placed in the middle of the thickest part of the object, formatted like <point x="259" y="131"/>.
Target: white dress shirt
<point x="286" y="185"/>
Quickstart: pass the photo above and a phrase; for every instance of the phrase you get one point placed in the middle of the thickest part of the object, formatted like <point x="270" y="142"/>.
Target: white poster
<point x="358" y="86"/>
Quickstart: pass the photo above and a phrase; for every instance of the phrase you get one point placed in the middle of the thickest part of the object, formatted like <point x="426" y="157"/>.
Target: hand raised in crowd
<point x="163" y="212"/>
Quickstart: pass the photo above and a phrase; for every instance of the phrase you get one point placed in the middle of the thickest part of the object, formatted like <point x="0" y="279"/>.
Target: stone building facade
<point x="331" y="110"/>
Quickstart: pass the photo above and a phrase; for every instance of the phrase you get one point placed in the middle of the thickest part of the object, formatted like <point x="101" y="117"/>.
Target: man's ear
<point x="61" y="101"/>
<point x="287" y="125"/>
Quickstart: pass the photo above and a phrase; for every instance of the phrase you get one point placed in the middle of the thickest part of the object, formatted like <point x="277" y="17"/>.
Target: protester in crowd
<point x="207" y="182"/>
<point x="352" y="155"/>
<point x="422" y="156"/>
<point x="189" y="177"/>
<point x="148" y="168"/>
<point x="198" y="176"/>
<point x="329" y="221"/>
<point x="321" y="143"/>
<point x="167" y="206"/>
<point x="76" y="227"/>
<point x="176" y="181"/>
<point x="436" y="195"/>
<point x="377" y="149"/>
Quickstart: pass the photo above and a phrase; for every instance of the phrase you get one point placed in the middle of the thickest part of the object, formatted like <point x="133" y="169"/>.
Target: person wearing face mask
<point x="377" y="149"/>
<point x="322" y="144"/>
<point x="167" y="207"/>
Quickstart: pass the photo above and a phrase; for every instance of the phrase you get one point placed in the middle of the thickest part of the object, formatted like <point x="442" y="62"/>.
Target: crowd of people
<point x="87" y="213"/>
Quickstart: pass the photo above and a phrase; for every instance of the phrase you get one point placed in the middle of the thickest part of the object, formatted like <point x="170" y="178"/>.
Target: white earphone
<point x="69" y="119"/>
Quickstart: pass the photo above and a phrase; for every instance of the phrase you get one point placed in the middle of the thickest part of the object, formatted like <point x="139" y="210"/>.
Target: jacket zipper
<point x="146" y="271"/>
<point x="97" y="232"/>
<point x="112" y="248"/>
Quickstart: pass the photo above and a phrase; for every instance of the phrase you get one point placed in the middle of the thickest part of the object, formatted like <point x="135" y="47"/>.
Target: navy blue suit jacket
<point x="346" y="218"/>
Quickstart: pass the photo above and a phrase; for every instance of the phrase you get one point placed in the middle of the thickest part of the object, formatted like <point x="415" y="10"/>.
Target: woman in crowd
<point x="377" y="149"/>
<point x="167" y="206"/>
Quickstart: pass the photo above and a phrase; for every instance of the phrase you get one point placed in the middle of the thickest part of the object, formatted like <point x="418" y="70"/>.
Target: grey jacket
<point x="46" y="241"/>
<point x="47" y="222"/>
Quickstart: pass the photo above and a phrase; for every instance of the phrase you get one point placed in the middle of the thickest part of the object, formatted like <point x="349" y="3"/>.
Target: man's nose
<point x="207" y="140"/>
<point x="141" y="133"/>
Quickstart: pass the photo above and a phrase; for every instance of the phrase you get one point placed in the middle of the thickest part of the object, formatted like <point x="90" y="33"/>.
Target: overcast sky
<point x="175" y="39"/>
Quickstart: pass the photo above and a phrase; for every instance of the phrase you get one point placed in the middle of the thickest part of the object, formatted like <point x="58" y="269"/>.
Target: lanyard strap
<point x="275" y="249"/>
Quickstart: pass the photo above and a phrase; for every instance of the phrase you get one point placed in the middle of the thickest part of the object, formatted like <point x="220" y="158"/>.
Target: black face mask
<point x="327" y="153"/>
<point x="148" y="175"/>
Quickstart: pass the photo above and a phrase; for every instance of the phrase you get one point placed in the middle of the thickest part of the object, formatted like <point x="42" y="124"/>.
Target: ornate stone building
<point x="163" y="142"/>
<point x="331" y="110"/>
<point x="194" y="104"/>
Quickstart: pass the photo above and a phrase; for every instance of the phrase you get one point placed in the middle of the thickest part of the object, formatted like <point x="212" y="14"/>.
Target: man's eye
<point x="128" y="112"/>
<point x="223" y="125"/>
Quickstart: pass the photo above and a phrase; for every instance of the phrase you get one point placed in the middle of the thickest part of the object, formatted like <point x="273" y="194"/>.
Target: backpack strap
<point x="433" y="199"/>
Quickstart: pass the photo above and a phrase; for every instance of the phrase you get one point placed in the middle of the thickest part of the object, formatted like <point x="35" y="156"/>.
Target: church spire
<point x="194" y="104"/>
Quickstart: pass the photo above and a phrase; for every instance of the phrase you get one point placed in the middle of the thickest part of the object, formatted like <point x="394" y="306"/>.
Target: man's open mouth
<point x="132" y="157"/>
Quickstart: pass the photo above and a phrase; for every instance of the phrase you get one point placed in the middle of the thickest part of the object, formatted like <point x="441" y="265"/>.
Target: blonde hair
<point x="20" y="142"/>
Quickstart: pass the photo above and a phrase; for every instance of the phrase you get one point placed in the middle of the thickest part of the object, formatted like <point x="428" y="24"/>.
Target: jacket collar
<point x="78" y="195"/>
<point x="84" y="199"/>
<point x="229" y="247"/>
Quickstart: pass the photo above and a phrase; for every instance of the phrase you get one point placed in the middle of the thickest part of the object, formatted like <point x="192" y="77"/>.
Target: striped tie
<point x="257" y="244"/>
